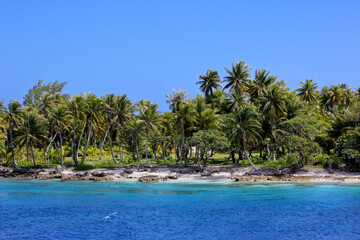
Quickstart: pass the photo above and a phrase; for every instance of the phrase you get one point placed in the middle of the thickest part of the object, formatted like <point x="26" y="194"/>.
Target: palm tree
<point x="209" y="82"/>
<point x="307" y="92"/>
<point x="245" y="127"/>
<point x="94" y="111"/>
<point x="238" y="77"/>
<point x="167" y="123"/>
<point x="111" y="119"/>
<point x="257" y="86"/>
<point x="348" y="96"/>
<point x="133" y="131"/>
<point x="329" y="97"/>
<point x="273" y="105"/>
<point x="205" y="118"/>
<point x="77" y="107"/>
<point x="176" y="99"/>
<point x="123" y="110"/>
<point x="60" y="118"/>
<point x="148" y="115"/>
<point x="13" y="118"/>
<point x="31" y="132"/>
<point x="183" y="115"/>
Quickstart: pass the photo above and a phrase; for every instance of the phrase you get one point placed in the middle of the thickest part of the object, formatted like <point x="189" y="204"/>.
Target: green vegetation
<point x="249" y="121"/>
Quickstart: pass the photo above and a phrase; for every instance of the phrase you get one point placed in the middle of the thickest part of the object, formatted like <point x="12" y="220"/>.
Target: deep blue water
<point x="50" y="209"/>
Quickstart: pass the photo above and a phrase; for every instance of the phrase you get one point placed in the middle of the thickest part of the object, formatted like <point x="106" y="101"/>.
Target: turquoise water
<point x="50" y="209"/>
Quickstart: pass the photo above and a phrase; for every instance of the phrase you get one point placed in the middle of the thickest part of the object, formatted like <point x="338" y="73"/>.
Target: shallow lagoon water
<point x="50" y="209"/>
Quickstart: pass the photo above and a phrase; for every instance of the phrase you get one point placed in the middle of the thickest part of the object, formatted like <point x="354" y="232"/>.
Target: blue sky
<point x="147" y="48"/>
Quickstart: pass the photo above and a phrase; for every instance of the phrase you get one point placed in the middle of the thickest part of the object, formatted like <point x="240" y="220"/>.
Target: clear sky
<point x="147" y="48"/>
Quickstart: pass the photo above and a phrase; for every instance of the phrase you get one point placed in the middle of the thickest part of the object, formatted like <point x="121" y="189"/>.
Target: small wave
<point x="108" y="216"/>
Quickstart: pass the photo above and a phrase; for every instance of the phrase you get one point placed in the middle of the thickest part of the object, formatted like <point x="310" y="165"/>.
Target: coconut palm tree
<point x="238" y="77"/>
<point x="111" y="120"/>
<point x="31" y="132"/>
<point x="94" y="111"/>
<point x="148" y="116"/>
<point x="167" y="123"/>
<point x="245" y="127"/>
<point x="183" y="115"/>
<point x="13" y="118"/>
<point x="307" y="92"/>
<point x="60" y="118"/>
<point x="176" y="99"/>
<point x="77" y="107"/>
<point x="123" y="110"/>
<point x="133" y="131"/>
<point x="256" y="87"/>
<point x="209" y="81"/>
<point x="204" y="117"/>
<point x="273" y="105"/>
<point x="330" y="97"/>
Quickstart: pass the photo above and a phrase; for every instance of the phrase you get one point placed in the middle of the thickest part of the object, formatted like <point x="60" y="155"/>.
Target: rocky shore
<point x="156" y="174"/>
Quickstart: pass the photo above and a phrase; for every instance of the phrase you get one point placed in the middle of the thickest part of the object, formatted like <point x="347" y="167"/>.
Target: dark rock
<point x="98" y="174"/>
<point x="152" y="179"/>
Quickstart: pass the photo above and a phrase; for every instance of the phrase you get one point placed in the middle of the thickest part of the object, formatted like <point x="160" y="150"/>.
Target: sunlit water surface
<point x="50" y="209"/>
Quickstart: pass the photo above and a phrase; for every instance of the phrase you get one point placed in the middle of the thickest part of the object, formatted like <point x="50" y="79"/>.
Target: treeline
<point x="257" y="119"/>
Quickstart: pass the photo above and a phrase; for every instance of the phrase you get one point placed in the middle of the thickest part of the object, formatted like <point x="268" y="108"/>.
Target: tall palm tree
<point x="262" y="80"/>
<point x="273" y="105"/>
<point x="148" y="116"/>
<point x="307" y="92"/>
<point x="123" y="110"/>
<point x="61" y="118"/>
<point x="94" y="111"/>
<point x="13" y="118"/>
<point x="205" y="118"/>
<point x="245" y="127"/>
<point x="77" y="107"/>
<point x="133" y="130"/>
<point x="238" y="77"/>
<point x="176" y="99"/>
<point x="183" y="115"/>
<point x="111" y="119"/>
<point x="330" y="97"/>
<point x="209" y="81"/>
<point x="167" y="123"/>
<point x="31" y="132"/>
<point x="348" y="96"/>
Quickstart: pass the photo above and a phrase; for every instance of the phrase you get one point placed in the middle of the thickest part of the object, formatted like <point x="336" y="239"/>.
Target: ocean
<point x="51" y="209"/>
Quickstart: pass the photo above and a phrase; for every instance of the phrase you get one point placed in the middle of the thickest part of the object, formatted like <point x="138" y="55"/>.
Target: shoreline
<point x="156" y="174"/>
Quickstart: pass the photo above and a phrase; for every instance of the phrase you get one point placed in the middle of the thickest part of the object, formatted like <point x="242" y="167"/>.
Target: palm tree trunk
<point x="182" y="145"/>
<point x="33" y="157"/>
<point x="12" y="145"/>
<point x="272" y="140"/>
<point x="112" y="152"/>
<point x="164" y="150"/>
<point x="248" y="158"/>
<point x="73" y="145"/>
<point x="147" y="142"/>
<point x="27" y="152"/>
<point x="120" y="153"/>
<point x="61" y="148"/>
<point x="45" y="160"/>
<point x="78" y="147"/>
<point x="47" y="149"/>
<point x="103" y="142"/>
<point x="137" y="152"/>
<point x="87" y="142"/>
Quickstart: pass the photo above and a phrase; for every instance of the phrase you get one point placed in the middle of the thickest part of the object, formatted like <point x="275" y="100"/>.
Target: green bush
<point x="290" y="160"/>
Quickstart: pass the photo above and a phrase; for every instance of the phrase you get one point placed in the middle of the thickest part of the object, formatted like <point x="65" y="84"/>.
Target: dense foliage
<point x="254" y="121"/>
